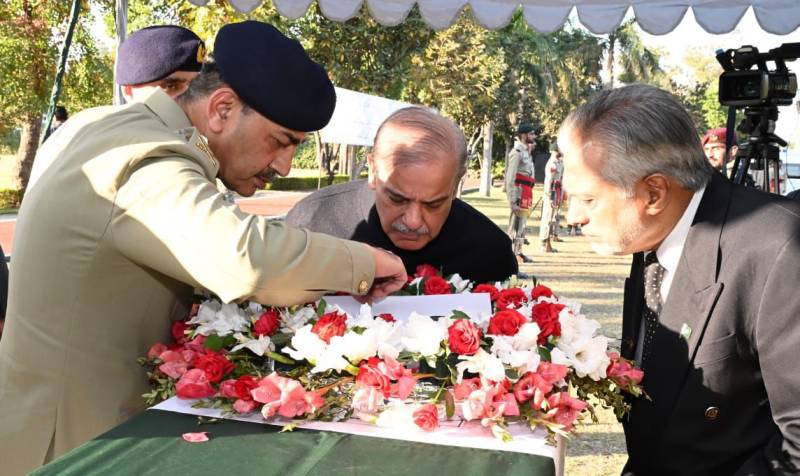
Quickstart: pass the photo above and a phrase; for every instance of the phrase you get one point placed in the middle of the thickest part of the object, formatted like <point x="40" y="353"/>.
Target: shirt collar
<point x="669" y="252"/>
<point x="167" y="109"/>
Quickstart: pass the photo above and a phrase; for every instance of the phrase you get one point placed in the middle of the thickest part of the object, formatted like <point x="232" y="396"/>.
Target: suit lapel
<point x="692" y="297"/>
<point x="632" y="307"/>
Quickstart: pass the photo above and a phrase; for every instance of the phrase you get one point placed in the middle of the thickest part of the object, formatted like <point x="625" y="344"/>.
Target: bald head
<point x="416" y="135"/>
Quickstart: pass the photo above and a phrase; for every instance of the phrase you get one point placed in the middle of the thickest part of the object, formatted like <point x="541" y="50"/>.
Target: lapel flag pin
<point x="686" y="331"/>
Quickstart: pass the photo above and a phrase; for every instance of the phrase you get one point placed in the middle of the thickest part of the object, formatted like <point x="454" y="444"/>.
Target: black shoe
<point x="522" y="259"/>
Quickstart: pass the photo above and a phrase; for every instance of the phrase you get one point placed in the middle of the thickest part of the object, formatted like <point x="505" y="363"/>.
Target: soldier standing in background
<point x="552" y="196"/>
<point x="519" y="187"/>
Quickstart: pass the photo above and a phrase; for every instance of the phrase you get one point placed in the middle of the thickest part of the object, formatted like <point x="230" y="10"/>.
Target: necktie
<point x="653" y="274"/>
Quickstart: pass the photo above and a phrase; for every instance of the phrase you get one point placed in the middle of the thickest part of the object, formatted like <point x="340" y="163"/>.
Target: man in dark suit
<point x="712" y="304"/>
<point x="408" y="204"/>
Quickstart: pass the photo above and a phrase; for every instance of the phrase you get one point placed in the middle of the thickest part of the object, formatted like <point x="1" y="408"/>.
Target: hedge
<point x="10" y="198"/>
<point x="303" y="183"/>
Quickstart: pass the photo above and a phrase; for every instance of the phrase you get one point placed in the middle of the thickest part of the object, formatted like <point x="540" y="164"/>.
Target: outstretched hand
<point x="390" y="274"/>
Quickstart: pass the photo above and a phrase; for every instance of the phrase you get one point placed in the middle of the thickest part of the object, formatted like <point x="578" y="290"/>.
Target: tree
<point x="624" y="47"/>
<point x="30" y="32"/>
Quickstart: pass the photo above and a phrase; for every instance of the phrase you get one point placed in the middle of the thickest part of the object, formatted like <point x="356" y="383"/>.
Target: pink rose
<point x="464" y="337"/>
<point x="507" y="404"/>
<point x="370" y="375"/>
<point x="293" y="400"/>
<point x="476" y="406"/>
<point x="194" y="384"/>
<point x="463" y="389"/>
<point x="244" y="406"/>
<point x="367" y="400"/>
<point x="426" y="417"/>
<point x="267" y="390"/>
<point x="228" y="389"/>
<point x="156" y="350"/>
<point x="564" y="410"/>
<point x="623" y="372"/>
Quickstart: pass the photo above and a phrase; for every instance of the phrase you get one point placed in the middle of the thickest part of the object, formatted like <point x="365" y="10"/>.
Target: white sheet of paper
<point x="401" y="307"/>
<point x="456" y="432"/>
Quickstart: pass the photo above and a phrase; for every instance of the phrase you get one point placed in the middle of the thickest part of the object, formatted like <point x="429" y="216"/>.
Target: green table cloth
<point x="151" y="443"/>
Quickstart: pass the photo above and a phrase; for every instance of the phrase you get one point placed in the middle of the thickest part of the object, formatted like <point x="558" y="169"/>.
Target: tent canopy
<point x="599" y="16"/>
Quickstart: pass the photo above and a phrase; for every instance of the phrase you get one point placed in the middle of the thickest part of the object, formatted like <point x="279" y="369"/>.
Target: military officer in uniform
<point x="519" y="187"/>
<point x="163" y="56"/>
<point x="551" y="201"/>
<point x="116" y="233"/>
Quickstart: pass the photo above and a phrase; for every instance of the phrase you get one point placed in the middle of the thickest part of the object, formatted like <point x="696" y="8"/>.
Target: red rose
<point x="329" y="325"/>
<point x="214" y="365"/>
<point x="426" y="417"/>
<point x="506" y="323"/>
<point x="464" y="337"/>
<point x="194" y="384"/>
<point x="487" y="288"/>
<point x="387" y="317"/>
<point x="545" y="314"/>
<point x="243" y="386"/>
<point x="512" y="297"/>
<point x="267" y="324"/>
<point x="179" y="331"/>
<point x="371" y="376"/>
<point x="426" y="271"/>
<point x="540" y="291"/>
<point x="437" y="285"/>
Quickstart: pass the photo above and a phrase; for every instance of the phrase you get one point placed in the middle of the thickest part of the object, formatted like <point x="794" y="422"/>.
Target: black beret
<point x="525" y="127"/>
<point x="273" y="74"/>
<point x="155" y="52"/>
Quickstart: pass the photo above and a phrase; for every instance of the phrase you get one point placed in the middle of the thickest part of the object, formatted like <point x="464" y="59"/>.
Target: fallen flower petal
<point x="195" y="437"/>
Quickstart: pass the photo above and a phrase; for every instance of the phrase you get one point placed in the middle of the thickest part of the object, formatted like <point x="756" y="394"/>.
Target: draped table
<point x="151" y="443"/>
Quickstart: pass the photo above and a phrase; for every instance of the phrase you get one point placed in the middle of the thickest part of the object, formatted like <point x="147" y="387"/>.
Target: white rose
<point x="424" y="335"/>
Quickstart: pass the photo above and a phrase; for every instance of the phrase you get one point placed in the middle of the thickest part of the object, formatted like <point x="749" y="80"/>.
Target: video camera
<point x="760" y="91"/>
<point x="742" y="86"/>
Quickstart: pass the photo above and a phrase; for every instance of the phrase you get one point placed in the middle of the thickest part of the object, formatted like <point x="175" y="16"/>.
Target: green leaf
<point x="544" y="353"/>
<point x="459" y="315"/>
<point x="449" y="405"/>
<point x="213" y="342"/>
<point x="280" y="358"/>
<point x="321" y="305"/>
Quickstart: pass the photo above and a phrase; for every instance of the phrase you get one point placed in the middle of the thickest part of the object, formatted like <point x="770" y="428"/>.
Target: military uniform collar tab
<point x="167" y="109"/>
<point x="199" y="142"/>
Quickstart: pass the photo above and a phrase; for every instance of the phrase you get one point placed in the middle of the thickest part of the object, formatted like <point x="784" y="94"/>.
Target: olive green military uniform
<point x="122" y="222"/>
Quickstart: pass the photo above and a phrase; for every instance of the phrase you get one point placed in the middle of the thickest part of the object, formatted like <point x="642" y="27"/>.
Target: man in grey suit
<point x="711" y="305"/>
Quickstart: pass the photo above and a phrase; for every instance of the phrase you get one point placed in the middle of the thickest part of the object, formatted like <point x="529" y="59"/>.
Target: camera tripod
<point x="762" y="148"/>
